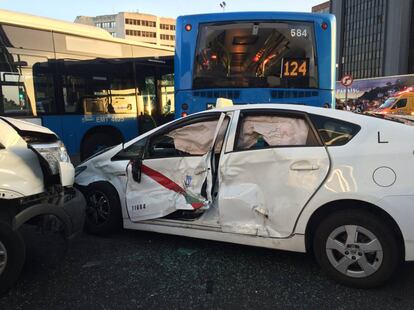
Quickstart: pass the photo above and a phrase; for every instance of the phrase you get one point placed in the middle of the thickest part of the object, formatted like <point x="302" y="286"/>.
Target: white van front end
<point x="36" y="186"/>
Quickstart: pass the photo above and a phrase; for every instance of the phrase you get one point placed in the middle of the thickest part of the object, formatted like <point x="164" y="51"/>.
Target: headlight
<point x="53" y="153"/>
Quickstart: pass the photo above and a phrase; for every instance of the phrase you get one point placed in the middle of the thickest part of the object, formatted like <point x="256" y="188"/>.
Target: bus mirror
<point x="224" y="102"/>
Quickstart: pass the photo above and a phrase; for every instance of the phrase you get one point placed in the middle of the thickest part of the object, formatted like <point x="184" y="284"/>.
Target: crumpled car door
<point x="277" y="165"/>
<point x="171" y="184"/>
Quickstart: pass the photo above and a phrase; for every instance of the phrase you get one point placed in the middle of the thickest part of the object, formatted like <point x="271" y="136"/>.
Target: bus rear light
<point x="324" y="26"/>
<point x="213" y="57"/>
<point x="188" y="27"/>
<point x="256" y="58"/>
<point x="184" y="114"/>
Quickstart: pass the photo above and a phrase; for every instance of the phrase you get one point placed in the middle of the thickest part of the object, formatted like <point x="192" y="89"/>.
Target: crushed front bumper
<point x="69" y="209"/>
<point x="74" y="206"/>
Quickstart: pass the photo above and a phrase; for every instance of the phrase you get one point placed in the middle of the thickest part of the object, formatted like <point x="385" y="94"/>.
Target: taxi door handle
<point x="303" y="165"/>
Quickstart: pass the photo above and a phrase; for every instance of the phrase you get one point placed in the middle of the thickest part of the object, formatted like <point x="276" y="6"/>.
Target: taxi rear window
<point x="334" y="132"/>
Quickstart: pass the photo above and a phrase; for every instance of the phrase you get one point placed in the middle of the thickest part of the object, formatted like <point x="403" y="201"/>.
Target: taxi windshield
<point x="388" y="103"/>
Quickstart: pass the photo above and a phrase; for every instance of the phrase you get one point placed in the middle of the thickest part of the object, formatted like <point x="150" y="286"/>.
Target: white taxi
<point x="285" y="177"/>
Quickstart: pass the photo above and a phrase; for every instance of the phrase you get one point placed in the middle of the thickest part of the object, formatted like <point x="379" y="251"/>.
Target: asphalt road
<point x="133" y="270"/>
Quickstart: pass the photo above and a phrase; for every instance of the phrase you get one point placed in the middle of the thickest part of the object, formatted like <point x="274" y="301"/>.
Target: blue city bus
<point x="254" y="57"/>
<point x="93" y="90"/>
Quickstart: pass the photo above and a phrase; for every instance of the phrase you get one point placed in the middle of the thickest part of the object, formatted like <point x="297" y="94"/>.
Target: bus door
<point x="47" y="91"/>
<point x="165" y="96"/>
<point x="155" y="93"/>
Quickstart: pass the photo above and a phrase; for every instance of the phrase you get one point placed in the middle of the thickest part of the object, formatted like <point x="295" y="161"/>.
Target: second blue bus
<point x="254" y="57"/>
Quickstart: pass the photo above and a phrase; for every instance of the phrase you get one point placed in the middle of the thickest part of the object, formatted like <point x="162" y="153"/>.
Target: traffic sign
<point x="347" y="80"/>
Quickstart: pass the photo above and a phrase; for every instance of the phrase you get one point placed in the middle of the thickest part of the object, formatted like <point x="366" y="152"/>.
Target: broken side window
<point x="189" y="140"/>
<point x="269" y="131"/>
<point x="194" y="139"/>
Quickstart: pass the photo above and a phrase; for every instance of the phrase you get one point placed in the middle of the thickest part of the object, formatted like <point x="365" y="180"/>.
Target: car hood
<point x="103" y="155"/>
<point x="20" y="125"/>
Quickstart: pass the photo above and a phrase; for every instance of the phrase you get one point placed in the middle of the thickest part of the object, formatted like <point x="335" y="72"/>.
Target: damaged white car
<point x="285" y="177"/>
<point x="36" y="187"/>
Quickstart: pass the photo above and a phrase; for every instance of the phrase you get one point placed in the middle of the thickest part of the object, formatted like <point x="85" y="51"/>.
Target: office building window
<point x="167" y="27"/>
<point x="411" y="52"/>
<point x="167" y="37"/>
<point x="139" y="33"/>
<point x="138" y="22"/>
<point x="363" y="36"/>
<point x="106" y="24"/>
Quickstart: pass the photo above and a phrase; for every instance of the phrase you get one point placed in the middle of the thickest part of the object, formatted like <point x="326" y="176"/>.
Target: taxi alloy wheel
<point x="103" y="211"/>
<point x="354" y="251"/>
<point x="357" y="248"/>
<point x="98" y="209"/>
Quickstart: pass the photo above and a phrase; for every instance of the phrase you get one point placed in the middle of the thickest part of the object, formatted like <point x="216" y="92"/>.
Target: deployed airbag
<point x="275" y="131"/>
<point x="194" y="139"/>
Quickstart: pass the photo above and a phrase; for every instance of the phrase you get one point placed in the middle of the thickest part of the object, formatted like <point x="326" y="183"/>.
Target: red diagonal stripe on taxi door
<point x="162" y="179"/>
<point x="167" y="183"/>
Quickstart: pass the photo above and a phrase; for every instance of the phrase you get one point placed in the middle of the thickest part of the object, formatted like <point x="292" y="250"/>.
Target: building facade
<point x="135" y="26"/>
<point x="374" y="37"/>
<point x="322" y="8"/>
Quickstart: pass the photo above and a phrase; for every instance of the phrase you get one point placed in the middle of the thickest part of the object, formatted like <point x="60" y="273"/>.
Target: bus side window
<point x="98" y="87"/>
<point x="44" y="88"/>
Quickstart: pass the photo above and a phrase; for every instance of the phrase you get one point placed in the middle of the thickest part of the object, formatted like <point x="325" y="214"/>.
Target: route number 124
<point x="293" y="68"/>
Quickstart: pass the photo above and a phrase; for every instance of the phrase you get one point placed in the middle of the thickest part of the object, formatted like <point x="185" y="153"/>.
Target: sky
<point x="69" y="9"/>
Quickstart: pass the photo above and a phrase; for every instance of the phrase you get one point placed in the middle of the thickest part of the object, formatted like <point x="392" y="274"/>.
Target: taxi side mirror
<point x="136" y="168"/>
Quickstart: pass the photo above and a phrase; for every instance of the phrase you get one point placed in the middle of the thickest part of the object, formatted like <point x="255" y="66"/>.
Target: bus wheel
<point x="94" y="142"/>
<point x="12" y="256"/>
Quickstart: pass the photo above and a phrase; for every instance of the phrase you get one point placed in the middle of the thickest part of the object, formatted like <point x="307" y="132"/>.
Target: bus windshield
<point x="13" y="88"/>
<point x="255" y="55"/>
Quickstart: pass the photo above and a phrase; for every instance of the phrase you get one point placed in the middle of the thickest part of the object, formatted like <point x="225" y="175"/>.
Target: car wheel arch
<point x="83" y="188"/>
<point x="93" y="176"/>
<point x="111" y="192"/>
<point x="349" y="204"/>
<point x="45" y="209"/>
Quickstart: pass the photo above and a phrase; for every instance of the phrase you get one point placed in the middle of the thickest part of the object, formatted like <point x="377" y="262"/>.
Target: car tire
<point x="103" y="209"/>
<point x="345" y="248"/>
<point x="12" y="256"/>
<point x="97" y="141"/>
